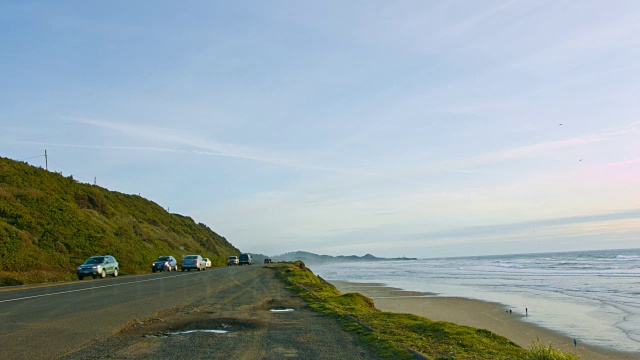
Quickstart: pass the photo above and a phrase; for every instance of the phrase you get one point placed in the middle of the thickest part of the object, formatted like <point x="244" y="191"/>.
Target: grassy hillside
<point x="50" y="223"/>
<point x="406" y="336"/>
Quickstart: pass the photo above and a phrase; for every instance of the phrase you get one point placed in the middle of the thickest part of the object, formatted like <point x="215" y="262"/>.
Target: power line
<point x="33" y="157"/>
<point x="63" y="168"/>
<point x="46" y="157"/>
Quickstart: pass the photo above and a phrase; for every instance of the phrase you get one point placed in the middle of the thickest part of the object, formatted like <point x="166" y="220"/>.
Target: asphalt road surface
<point x="240" y="312"/>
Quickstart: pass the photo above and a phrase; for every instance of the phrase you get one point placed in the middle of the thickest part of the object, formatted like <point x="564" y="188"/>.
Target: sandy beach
<point x="480" y="314"/>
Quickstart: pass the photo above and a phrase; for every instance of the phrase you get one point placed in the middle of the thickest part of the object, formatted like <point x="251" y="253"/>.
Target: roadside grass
<point x="33" y="276"/>
<point x="406" y="336"/>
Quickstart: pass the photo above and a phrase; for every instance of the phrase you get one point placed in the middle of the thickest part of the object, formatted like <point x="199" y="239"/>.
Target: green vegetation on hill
<point x="49" y="224"/>
<point x="406" y="336"/>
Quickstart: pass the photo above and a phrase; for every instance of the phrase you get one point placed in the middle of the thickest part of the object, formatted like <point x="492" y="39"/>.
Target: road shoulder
<point x="257" y="319"/>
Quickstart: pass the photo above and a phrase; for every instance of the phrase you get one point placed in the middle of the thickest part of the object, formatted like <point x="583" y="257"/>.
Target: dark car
<point x="268" y="261"/>
<point x="98" y="266"/>
<point x="245" y="259"/>
<point x="192" y="262"/>
<point x="164" y="263"/>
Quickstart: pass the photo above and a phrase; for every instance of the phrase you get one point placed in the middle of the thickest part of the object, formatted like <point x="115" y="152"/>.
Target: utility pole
<point x="46" y="160"/>
<point x="94" y="180"/>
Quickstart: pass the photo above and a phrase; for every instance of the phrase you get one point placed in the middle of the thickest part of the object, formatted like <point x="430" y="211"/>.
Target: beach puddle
<point x="280" y="310"/>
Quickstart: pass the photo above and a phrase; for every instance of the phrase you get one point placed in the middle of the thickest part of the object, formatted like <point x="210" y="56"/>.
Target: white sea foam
<point x="593" y="296"/>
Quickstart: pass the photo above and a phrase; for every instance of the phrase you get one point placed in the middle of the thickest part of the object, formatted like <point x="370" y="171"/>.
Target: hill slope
<point x="49" y="224"/>
<point x="311" y="258"/>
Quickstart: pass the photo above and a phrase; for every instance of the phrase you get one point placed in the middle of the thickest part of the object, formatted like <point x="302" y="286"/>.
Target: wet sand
<point x="480" y="314"/>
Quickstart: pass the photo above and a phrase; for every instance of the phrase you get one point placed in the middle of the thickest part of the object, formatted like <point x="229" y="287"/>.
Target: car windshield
<point x="95" y="260"/>
<point x="191" y="257"/>
<point x="163" y="258"/>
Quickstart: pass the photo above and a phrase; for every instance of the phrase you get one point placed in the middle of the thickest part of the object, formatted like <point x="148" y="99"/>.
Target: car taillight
<point x="182" y="262"/>
<point x="196" y="261"/>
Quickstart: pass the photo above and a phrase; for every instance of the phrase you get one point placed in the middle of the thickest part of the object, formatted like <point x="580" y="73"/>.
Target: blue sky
<point x="417" y="128"/>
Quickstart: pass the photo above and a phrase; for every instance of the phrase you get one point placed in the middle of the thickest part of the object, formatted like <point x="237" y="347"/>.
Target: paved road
<point x="144" y="316"/>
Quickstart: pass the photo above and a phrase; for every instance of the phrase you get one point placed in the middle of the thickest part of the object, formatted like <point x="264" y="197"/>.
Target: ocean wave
<point x="628" y="257"/>
<point x="595" y="289"/>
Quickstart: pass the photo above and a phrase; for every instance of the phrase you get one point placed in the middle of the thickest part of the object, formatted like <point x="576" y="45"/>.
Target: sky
<point x="396" y="128"/>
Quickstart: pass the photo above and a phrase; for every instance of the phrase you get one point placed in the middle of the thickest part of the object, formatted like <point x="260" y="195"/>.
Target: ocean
<point x="593" y="296"/>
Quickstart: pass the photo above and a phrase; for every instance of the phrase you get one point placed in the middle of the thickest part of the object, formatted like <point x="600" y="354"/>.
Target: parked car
<point x="233" y="260"/>
<point x="268" y="261"/>
<point x="244" y="259"/>
<point x="192" y="262"/>
<point x="207" y="262"/>
<point x="98" y="266"/>
<point x="163" y="263"/>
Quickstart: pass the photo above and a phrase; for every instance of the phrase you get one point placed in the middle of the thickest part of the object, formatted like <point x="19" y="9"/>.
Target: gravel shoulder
<point x="256" y="318"/>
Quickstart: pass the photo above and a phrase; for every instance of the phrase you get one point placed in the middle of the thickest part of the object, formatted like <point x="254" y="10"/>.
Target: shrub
<point x="541" y="352"/>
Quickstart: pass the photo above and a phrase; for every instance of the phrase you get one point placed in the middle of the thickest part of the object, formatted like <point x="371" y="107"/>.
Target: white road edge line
<point x="91" y="288"/>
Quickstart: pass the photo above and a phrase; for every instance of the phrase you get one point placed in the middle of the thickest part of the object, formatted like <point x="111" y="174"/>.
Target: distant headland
<point x="311" y="258"/>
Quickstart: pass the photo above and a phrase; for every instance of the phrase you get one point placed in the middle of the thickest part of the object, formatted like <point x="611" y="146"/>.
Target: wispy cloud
<point x="635" y="161"/>
<point x="530" y="150"/>
<point x="177" y="137"/>
<point x="107" y="147"/>
<point x="474" y="21"/>
<point x="620" y="32"/>
<point x="621" y="225"/>
<point x="535" y="224"/>
<point x="190" y="142"/>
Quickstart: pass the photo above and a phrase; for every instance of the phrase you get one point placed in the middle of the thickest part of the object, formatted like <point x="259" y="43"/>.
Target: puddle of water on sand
<point x="281" y="310"/>
<point x="203" y="330"/>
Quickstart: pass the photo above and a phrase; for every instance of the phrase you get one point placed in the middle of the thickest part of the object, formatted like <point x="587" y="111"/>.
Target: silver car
<point x="98" y="266"/>
<point x="192" y="262"/>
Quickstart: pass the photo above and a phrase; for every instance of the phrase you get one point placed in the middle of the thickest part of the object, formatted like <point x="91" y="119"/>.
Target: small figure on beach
<point x="509" y="311"/>
<point x="526" y="311"/>
<point x="575" y="342"/>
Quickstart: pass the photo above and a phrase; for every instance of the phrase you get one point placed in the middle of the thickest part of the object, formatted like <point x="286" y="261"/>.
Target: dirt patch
<point x="184" y="319"/>
<point x="244" y="310"/>
<point x="278" y="304"/>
